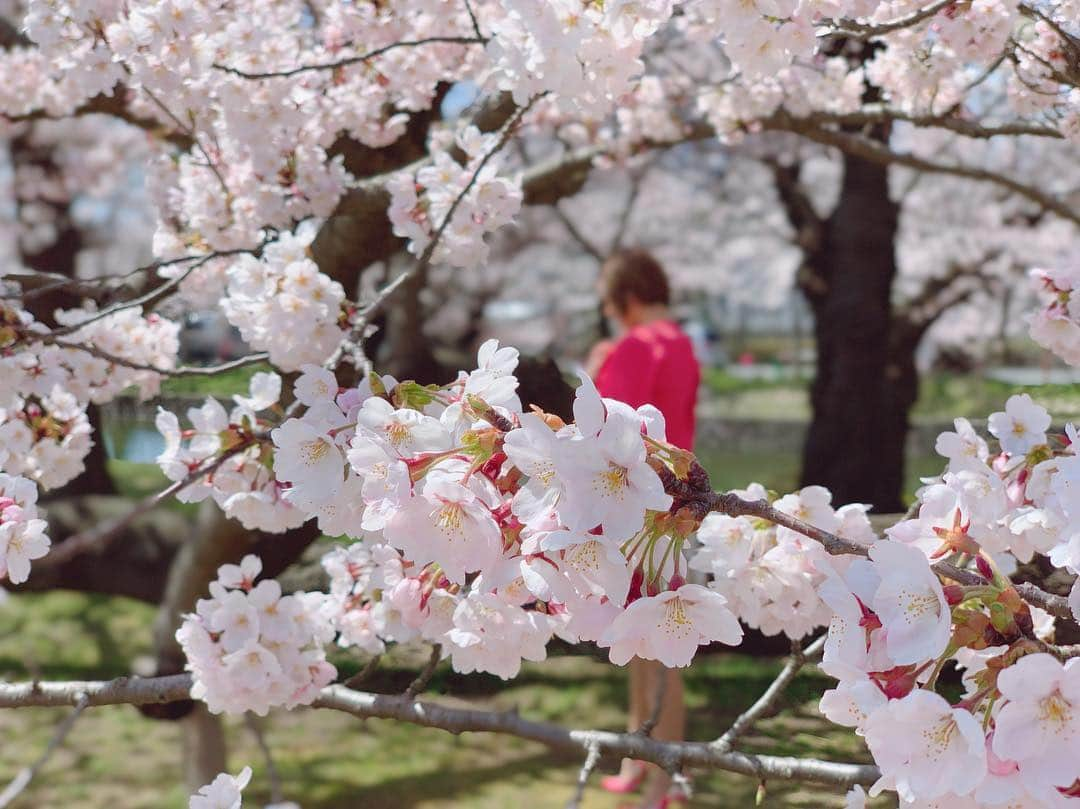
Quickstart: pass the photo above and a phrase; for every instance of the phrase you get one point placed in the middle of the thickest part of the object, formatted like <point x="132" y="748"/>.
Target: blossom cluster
<point x="481" y="200"/>
<point x="242" y="484"/>
<point x="22" y="533"/>
<point x="224" y="792"/>
<point x="283" y="304"/>
<point x="770" y="575"/>
<point x="44" y="431"/>
<point x="489" y="529"/>
<point x="45" y="438"/>
<point x="1056" y="326"/>
<point x="895" y="624"/>
<point x="587" y="54"/>
<point x="250" y="648"/>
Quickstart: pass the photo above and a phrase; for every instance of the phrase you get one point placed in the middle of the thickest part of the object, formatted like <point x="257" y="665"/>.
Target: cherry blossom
<point x="670" y="626"/>
<point x="925" y="747"/>
<point x="223" y="792"/>
<point x="1038" y="726"/>
<point x="249" y="648"/>
<point x="1022" y="426"/>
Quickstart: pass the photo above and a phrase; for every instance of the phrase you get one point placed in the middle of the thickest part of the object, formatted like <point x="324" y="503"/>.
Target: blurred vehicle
<point x="207" y="337"/>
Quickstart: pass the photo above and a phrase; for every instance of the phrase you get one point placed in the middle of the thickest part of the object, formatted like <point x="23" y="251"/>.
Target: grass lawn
<point x="222" y="385"/>
<point x="117" y="759"/>
<point x="942" y="397"/>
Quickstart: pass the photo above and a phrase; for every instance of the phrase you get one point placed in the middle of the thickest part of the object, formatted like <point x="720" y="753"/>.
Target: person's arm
<point x="628" y="372"/>
<point x="598" y="356"/>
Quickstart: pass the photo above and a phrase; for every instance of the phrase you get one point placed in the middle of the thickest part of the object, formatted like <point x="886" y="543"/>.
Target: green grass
<point x="136" y="479"/>
<point x="115" y="758"/>
<point x="945" y="396"/>
<point x="223" y="385"/>
<point x="779" y="471"/>
<point x="942" y="397"/>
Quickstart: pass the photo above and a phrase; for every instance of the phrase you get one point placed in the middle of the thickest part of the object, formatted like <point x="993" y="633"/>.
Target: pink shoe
<point x="622" y="784"/>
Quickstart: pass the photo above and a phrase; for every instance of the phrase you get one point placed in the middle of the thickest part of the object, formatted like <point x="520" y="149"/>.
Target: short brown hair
<point x="634" y="273"/>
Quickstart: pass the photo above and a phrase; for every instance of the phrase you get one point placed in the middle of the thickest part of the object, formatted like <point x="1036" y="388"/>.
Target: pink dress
<point x="654" y="363"/>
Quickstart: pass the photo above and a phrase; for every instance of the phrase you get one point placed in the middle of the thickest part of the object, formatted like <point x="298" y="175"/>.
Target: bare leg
<point x="670" y="726"/>
<point x="641" y="691"/>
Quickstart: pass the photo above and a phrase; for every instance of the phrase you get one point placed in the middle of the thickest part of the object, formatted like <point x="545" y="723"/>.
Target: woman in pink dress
<point x="651" y="362"/>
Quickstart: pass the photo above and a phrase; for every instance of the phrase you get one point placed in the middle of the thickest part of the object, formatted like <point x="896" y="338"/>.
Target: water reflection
<point x="131" y="439"/>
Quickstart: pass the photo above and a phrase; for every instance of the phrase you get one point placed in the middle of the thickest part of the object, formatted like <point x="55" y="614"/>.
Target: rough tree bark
<point x="865" y="378"/>
<point x="860" y="395"/>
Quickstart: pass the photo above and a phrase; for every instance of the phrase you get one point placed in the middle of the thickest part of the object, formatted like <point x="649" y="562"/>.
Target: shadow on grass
<point x="438" y="783"/>
<point x="63" y="635"/>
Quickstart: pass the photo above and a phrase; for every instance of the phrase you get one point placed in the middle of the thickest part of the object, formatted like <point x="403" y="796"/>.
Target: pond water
<point x="131" y="440"/>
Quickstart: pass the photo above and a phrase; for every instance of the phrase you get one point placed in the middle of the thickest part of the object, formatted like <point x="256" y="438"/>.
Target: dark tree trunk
<point x="406" y="351"/>
<point x="860" y="399"/>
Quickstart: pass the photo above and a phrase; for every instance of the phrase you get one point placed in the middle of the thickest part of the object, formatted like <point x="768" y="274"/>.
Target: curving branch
<point x="858" y="30"/>
<point x="183" y="370"/>
<point x="23" y="778"/>
<point x="768" y="700"/>
<point x="114" y="105"/>
<point x="351" y="60"/>
<point x="427" y="256"/>
<point x="100" y="536"/>
<point x="148" y="298"/>
<point x="880" y="113"/>
<point x="876" y="152"/>
<point x="424" y="677"/>
<point x="732" y="505"/>
<point x="672" y="756"/>
<point x="592" y="758"/>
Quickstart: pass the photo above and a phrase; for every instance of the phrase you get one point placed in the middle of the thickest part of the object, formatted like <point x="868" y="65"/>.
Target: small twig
<point x="1058" y="606"/>
<point x="592" y="758"/>
<point x="734" y="506"/>
<point x="183" y="370"/>
<point x="472" y="19"/>
<point x="23" y="778"/>
<point x="364" y="674"/>
<point x="101" y="535"/>
<point x="59" y="281"/>
<point x="859" y="30"/>
<point x="351" y="60"/>
<point x="425" y="259"/>
<point x="576" y="234"/>
<point x="636" y="182"/>
<point x="767" y="701"/>
<point x="189" y="130"/>
<point x="153" y="295"/>
<point x="277" y="794"/>
<point x="650" y="723"/>
<point x="425" y="675"/>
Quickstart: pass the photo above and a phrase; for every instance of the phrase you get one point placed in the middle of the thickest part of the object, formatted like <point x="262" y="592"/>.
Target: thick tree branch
<point x="114" y="105"/>
<point x="876" y="152"/>
<point x="672" y="756"/>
